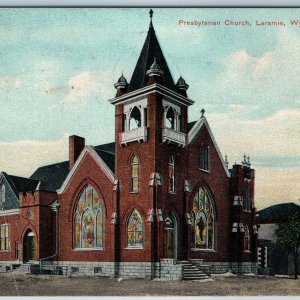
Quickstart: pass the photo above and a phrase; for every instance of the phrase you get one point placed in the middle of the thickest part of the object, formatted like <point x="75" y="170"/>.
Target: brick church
<point x="159" y="201"/>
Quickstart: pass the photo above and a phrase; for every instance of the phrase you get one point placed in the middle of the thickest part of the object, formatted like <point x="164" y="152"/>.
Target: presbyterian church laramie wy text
<point x="204" y="23"/>
<point x="159" y="201"/>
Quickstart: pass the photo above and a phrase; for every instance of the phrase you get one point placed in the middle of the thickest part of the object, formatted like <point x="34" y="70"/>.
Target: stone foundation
<point x="244" y="267"/>
<point x="166" y="269"/>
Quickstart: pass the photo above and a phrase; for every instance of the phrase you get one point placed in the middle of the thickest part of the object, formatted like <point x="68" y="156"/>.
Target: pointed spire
<point x="151" y="49"/>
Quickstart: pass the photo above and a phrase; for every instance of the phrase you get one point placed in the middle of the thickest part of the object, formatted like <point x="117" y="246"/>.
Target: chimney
<point x="76" y="145"/>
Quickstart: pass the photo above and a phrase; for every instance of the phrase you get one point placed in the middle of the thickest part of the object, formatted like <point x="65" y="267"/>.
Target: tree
<point x="288" y="236"/>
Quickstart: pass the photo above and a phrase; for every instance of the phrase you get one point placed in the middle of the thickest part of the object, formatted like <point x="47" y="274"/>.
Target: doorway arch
<point x="170" y="236"/>
<point x="29" y="246"/>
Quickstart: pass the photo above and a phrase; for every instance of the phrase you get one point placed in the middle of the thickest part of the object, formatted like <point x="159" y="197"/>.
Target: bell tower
<point x="151" y="126"/>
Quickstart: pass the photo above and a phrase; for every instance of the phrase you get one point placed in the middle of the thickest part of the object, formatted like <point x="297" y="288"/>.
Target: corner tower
<point x="151" y="118"/>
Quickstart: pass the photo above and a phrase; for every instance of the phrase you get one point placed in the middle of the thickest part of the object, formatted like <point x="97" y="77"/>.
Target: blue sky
<point x="58" y="67"/>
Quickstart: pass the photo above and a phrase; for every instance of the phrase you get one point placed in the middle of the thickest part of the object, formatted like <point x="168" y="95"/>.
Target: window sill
<point x="203" y="170"/>
<point x="172" y="193"/>
<point x="4" y="251"/>
<point x="134" y="248"/>
<point x="134" y="192"/>
<point x="247" y="251"/>
<point x="88" y="249"/>
<point x="203" y="250"/>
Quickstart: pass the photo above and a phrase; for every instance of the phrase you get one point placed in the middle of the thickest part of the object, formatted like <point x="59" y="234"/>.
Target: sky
<point x="58" y="67"/>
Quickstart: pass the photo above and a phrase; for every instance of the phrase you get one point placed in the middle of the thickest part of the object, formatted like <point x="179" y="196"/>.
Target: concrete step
<point x="191" y="271"/>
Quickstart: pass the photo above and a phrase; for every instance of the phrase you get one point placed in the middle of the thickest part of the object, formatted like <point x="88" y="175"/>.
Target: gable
<point x="11" y="200"/>
<point x="195" y="131"/>
<point x="88" y="150"/>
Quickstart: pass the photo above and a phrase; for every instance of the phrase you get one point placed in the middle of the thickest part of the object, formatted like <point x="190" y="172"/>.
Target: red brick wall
<point x="41" y="224"/>
<point x="218" y="183"/>
<point x="88" y="173"/>
<point x="239" y="185"/>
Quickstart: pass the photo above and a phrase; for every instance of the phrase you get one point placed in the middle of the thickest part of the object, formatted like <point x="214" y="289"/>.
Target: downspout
<point x="56" y="208"/>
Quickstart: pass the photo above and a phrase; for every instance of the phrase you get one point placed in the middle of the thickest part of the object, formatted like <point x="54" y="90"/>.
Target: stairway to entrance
<point x="192" y="271"/>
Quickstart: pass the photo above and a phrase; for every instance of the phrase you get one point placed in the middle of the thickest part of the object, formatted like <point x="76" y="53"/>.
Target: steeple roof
<point x="150" y="50"/>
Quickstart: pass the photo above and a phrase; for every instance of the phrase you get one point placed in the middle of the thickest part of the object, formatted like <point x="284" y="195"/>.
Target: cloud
<point x="9" y="82"/>
<point x="274" y="140"/>
<point x="275" y="186"/>
<point x="269" y="80"/>
<point x="277" y="135"/>
<point x="23" y="157"/>
<point x="89" y="83"/>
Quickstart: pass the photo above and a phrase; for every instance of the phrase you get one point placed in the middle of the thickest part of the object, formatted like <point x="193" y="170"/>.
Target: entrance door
<point x="170" y="238"/>
<point x="29" y="253"/>
<point x="169" y="243"/>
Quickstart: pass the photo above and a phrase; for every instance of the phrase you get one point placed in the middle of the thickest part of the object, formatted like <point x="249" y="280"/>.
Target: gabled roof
<point x="195" y="129"/>
<point x="107" y="153"/>
<point x="21" y="184"/>
<point x="52" y="176"/>
<point x="277" y="213"/>
<point x="190" y="125"/>
<point x="150" y="50"/>
<point x="98" y="160"/>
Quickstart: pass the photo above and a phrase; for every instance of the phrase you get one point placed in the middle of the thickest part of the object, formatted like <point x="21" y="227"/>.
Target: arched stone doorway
<point x="170" y="237"/>
<point x="29" y="247"/>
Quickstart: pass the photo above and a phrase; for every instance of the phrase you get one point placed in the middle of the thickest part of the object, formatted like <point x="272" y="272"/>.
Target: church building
<point x="158" y="202"/>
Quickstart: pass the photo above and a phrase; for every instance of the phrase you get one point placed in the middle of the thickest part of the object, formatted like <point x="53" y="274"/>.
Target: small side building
<point x="273" y="258"/>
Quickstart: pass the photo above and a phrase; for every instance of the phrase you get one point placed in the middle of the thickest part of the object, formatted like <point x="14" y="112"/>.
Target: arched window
<point x="203" y="220"/>
<point x="135" y="118"/>
<point x="135" y="235"/>
<point x="170" y="118"/>
<point x="171" y="175"/>
<point x="135" y="169"/>
<point x="204" y="158"/>
<point x="4" y="237"/>
<point x="89" y="220"/>
<point x="247" y="239"/>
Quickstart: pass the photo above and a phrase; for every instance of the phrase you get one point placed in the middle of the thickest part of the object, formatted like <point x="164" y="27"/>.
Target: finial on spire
<point x="226" y="161"/>
<point x="202" y="112"/>
<point x="248" y="161"/>
<point x="151" y="14"/>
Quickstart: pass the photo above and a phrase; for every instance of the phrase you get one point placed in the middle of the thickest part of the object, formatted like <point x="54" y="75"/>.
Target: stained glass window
<point x="247" y="239"/>
<point x="88" y="220"/>
<point x="203" y="220"/>
<point x="135" y="231"/>
<point x="171" y="174"/>
<point x="204" y="158"/>
<point x="135" y="174"/>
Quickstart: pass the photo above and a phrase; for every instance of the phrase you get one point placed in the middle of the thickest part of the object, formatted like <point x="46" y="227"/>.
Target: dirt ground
<point x="12" y="284"/>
